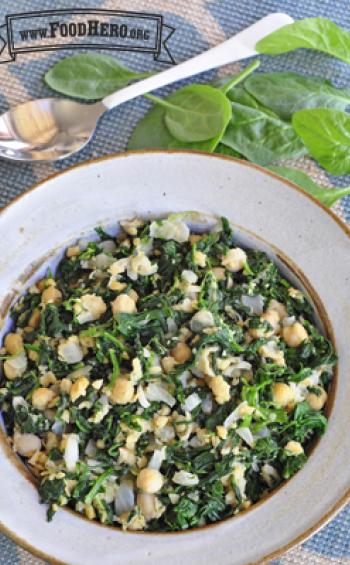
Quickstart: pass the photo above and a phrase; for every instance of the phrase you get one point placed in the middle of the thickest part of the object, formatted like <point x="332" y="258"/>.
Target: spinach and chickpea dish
<point x="163" y="380"/>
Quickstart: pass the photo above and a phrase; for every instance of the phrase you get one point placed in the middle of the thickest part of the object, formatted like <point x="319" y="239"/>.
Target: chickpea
<point x="294" y="335"/>
<point x="13" y="343"/>
<point x="150" y="480"/>
<point x="221" y="431"/>
<point x="89" y="511"/>
<point x="66" y="385"/>
<point x="51" y="441"/>
<point x="294" y="447"/>
<point x="282" y="394"/>
<point x="73" y="251"/>
<point x="194" y="238"/>
<point x="133" y="295"/>
<point x="123" y="391"/>
<point x="200" y="258"/>
<point x="160" y="421"/>
<point x="219" y="273"/>
<point x="51" y="295"/>
<point x="168" y="363"/>
<point x="48" y="379"/>
<point x="123" y="304"/>
<point x="41" y="285"/>
<point x="181" y="352"/>
<point x="278" y="307"/>
<point x="220" y="389"/>
<point x="116" y="285"/>
<point x="317" y="402"/>
<point x="202" y="319"/>
<point x="78" y="388"/>
<point x="270" y="316"/>
<point x="34" y="320"/>
<point x="147" y="504"/>
<point x="41" y="398"/>
<point x="234" y="260"/>
<point x="26" y="444"/>
<point x="15" y="366"/>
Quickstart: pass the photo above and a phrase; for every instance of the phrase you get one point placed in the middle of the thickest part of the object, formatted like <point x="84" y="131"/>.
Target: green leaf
<point x="327" y="196"/>
<point x="261" y="138"/>
<point x="97" y="485"/>
<point x="227" y="85"/>
<point x="241" y="96"/>
<point x="89" y="76"/>
<point x="195" y="113"/>
<point x="312" y="33"/>
<point x="222" y="149"/>
<point x="151" y="132"/>
<point x="326" y="134"/>
<point x="285" y="93"/>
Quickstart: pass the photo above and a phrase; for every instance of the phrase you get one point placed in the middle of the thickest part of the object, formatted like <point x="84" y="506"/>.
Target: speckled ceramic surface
<point x="104" y="191"/>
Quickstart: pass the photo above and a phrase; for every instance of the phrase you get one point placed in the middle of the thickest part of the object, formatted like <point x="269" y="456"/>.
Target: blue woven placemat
<point x="199" y="24"/>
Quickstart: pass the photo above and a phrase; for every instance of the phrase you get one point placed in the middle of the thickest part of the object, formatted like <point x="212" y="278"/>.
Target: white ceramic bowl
<point x="268" y="210"/>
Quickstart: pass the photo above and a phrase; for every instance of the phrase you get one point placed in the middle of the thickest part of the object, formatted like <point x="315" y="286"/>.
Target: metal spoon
<point x="53" y="128"/>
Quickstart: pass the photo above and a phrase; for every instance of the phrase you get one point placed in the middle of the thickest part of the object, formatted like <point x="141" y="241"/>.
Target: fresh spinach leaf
<point x="327" y="196"/>
<point x="195" y="113"/>
<point x="285" y="93"/>
<point x="311" y="33"/>
<point x="226" y="85"/>
<point x="90" y="76"/>
<point x="151" y="132"/>
<point x="326" y="134"/>
<point x="222" y="149"/>
<point x="259" y="137"/>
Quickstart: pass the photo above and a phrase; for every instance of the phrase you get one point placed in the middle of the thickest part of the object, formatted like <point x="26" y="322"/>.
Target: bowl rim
<point x="340" y="503"/>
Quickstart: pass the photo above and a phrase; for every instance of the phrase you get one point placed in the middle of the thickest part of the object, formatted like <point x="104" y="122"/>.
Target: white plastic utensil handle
<point x="239" y="47"/>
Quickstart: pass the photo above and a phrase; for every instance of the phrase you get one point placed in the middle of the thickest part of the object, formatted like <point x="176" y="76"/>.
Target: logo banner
<point x="85" y="29"/>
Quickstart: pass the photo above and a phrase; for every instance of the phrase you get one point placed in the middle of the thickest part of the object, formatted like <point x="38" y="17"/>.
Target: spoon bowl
<point x="47" y="129"/>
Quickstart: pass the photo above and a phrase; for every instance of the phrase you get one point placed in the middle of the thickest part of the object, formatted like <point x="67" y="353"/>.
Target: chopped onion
<point x="288" y="321"/>
<point x="158" y="393"/>
<point x="71" y="452"/>
<point x="255" y="303"/>
<point x="90" y="449"/>
<point x="57" y="428"/>
<point x="191" y="402"/>
<point x="246" y="435"/>
<point x="18" y="363"/>
<point x="157" y="458"/>
<point x="18" y="401"/>
<point x="166" y="434"/>
<point x="70" y="351"/>
<point x="171" y="324"/>
<point x="124" y="499"/>
<point x="185" y="479"/>
<point x="235" y="415"/>
<point x="184" y="378"/>
<point x="207" y="405"/>
<point x="255" y="464"/>
<point x="189" y="276"/>
<point x="142" y="398"/>
<point x="102" y="261"/>
<point x="264" y="432"/>
<point x="109" y="246"/>
<point x="170" y="229"/>
<point x="299" y="391"/>
<point x="269" y="474"/>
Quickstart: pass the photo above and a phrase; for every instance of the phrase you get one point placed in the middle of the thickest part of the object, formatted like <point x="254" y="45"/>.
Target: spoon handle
<point x="239" y="47"/>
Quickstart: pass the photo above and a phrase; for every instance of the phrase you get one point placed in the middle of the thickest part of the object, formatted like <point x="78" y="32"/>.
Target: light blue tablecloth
<point x="198" y="25"/>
